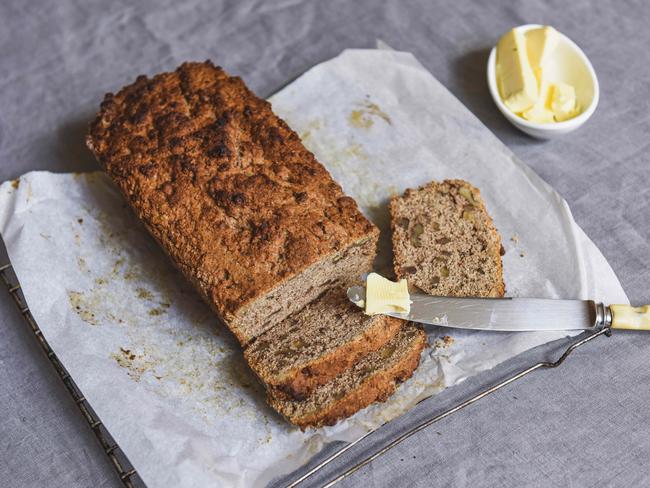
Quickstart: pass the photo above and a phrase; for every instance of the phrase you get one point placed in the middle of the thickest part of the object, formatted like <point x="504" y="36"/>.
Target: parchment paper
<point x="171" y="385"/>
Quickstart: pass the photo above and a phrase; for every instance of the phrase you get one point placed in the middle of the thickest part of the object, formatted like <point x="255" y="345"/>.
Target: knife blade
<point x="501" y="314"/>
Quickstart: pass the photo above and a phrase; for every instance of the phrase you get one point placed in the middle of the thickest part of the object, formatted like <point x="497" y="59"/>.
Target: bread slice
<point x="312" y="346"/>
<point x="444" y="241"/>
<point x="373" y="378"/>
<point x="243" y="209"/>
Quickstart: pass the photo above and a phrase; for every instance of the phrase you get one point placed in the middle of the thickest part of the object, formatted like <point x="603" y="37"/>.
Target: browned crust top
<point x="221" y="182"/>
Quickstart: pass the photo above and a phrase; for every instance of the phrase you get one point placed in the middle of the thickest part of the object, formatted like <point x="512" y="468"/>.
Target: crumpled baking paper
<point x="170" y="383"/>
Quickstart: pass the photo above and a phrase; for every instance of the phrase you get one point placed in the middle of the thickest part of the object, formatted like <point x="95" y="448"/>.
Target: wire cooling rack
<point x="129" y="476"/>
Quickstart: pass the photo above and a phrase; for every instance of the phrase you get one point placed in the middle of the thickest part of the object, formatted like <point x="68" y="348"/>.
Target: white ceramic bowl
<point x="568" y="64"/>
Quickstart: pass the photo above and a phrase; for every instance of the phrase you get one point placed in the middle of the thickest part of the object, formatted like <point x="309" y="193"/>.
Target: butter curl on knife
<point x="384" y="296"/>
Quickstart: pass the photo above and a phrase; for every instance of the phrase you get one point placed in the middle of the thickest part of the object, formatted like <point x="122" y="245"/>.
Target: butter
<point x="516" y="80"/>
<point x="541" y="112"/>
<point x="563" y="101"/>
<point x="385" y="296"/>
<point x="540" y="44"/>
<point x="523" y="61"/>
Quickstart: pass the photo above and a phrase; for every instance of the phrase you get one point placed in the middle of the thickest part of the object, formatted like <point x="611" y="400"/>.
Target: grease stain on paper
<point x="83" y="266"/>
<point x="135" y="364"/>
<point x="144" y="294"/>
<point x="214" y="375"/>
<point x="364" y="117"/>
<point x="156" y="311"/>
<point x="311" y="127"/>
<point x="81" y="306"/>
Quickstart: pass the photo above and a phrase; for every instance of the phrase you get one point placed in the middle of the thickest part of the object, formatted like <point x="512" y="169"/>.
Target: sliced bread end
<point x="372" y="379"/>
<point x="314" y="345"/>
<point x="444" y="241"/>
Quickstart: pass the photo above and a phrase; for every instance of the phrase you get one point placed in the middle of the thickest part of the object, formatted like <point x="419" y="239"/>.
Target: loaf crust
<point x="223" y="184"/>
<point x="375" y="387"/>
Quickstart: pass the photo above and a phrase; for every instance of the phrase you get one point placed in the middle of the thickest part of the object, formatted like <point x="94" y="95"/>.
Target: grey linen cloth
<point x="585" y="424"/>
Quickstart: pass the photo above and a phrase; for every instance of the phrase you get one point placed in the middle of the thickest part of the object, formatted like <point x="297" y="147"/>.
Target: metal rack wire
<point x="129" y="476"/>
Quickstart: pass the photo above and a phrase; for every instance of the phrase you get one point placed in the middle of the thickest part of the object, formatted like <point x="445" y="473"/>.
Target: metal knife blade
<point x="499" y="314"/>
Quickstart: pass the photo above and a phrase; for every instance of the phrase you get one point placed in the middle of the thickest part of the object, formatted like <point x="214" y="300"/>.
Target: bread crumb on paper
<point x="444" y="342"/>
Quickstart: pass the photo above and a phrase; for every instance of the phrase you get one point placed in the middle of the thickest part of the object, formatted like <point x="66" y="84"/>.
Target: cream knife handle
<point x="629" y="317"/>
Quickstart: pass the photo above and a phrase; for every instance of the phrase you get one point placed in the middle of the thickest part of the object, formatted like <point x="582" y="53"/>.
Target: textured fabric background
<point x="585" y="424"/>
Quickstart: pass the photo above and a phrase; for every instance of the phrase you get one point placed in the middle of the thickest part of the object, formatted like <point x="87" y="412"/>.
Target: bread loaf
<point x="231" y="194"/>
<point x="263" y="232"/>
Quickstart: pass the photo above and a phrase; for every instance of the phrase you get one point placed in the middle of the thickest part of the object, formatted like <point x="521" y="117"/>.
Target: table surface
<point x="585" y="424"/>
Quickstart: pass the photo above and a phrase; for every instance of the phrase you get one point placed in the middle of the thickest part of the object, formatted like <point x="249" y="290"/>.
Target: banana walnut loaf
<point x="248" y="214"/>
<point x="262" y="231"/>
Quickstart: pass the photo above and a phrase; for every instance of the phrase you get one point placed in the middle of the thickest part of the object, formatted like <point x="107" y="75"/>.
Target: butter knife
<point x="517" y="314"/>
